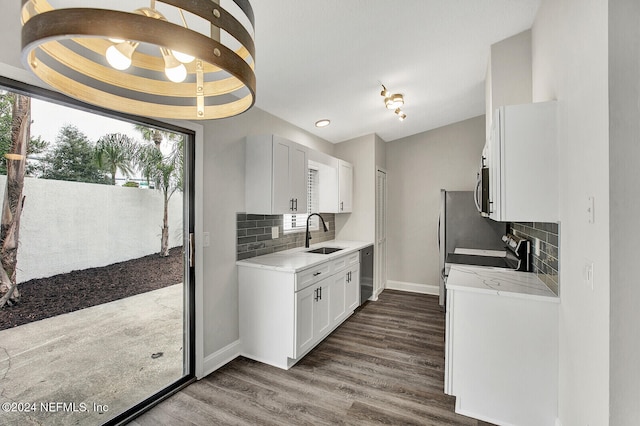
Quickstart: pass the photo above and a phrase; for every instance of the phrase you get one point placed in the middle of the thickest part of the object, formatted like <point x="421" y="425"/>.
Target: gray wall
<point x="624" y="151"/>
<point x="419" y="166"/>
<point x="360" y="224"/>
<point x="224" y="166"/>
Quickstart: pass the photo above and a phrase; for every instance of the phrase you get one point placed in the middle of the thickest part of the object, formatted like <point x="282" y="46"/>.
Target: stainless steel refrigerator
<point x="460" y="225"/>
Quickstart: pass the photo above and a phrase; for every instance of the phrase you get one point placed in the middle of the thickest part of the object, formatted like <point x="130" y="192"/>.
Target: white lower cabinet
<point x="344" y="293"/>
<point x="283" y="315"/>
<point x="501" y="357"/>
<point x="312" y="315"/>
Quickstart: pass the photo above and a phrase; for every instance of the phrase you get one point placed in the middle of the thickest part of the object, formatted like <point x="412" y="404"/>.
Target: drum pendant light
<point x="179" y="59"/>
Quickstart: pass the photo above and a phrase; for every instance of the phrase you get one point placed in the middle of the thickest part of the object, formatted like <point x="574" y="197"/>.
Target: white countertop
<point x="298" y="259"/>
<point x="501" y="282"/>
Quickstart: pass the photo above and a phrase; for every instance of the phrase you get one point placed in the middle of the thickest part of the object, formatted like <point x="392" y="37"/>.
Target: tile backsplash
<point x="254" y="235"/>
<point x="546" y="264"/>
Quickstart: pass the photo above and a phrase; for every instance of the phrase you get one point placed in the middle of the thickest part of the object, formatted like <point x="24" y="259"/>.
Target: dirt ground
<point x="47" y="297"/>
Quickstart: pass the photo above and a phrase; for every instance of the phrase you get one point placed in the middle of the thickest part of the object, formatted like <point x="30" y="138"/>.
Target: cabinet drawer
<point x="345" y="261"/>
<point x="306" y="278"/>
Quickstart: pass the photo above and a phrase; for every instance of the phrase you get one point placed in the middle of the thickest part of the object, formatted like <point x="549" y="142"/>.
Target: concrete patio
<point x="88" y="366"/>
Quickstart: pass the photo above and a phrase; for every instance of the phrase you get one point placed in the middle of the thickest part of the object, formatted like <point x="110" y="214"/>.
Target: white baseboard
<point x="218" y="359"/>
<point x="413" y="287"/>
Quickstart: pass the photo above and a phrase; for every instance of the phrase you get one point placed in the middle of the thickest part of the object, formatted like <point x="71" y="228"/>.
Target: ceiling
<point x="328" y="58"/>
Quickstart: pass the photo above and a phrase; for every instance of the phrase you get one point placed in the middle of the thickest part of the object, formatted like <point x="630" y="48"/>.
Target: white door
<point x="380" y="253"/>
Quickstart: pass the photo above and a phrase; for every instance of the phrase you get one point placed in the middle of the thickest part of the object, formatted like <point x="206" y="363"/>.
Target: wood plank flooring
<point x="384" y="365"/>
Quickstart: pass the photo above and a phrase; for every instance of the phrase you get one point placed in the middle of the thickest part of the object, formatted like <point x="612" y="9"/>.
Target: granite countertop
<point x="501" y="282"/>
<point x="298" y="259"/>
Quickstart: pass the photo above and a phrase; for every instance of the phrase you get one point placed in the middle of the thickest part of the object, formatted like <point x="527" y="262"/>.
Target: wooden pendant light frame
<point x="142" y="90"/>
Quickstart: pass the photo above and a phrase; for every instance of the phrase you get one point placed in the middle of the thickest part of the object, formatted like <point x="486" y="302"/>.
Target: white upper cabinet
<point x="335" y="183"/>
<point x="345" y="187"/>
<point x="276" y="176"/>
<point x="523" y="164"/>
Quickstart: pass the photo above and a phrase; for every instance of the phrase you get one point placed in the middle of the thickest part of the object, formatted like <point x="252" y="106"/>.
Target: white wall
<point x="418" y="167"/>
<point x="570" y="56"/>
<point x="68" y="226"/>
<point x="624" y="149"/>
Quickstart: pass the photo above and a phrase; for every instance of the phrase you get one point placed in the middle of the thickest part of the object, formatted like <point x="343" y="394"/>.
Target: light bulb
<point x="119" y="55"/>
<point x="176" y="74"/>
<point x="117" y="59"/>
<point x="174" y="70"/>
<point x="183" y="57"/>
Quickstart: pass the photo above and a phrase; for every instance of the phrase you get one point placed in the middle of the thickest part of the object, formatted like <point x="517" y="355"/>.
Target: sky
<point x="48" y="119"/>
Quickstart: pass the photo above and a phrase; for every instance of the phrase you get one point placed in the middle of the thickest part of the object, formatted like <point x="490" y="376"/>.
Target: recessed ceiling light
<point x="323" y="123"/>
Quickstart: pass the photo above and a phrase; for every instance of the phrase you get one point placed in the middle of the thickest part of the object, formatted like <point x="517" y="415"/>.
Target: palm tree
<point x="14" y="198"/>
<point x="155" y="135"/>
<point x="166" y="174"/>
<point x="116" y="151"/>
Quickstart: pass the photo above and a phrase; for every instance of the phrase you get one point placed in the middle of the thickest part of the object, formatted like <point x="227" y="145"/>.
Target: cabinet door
<point x="281" y="175"/>
<point x="305" y="301"/>
<point x="299" y="176"/>
<point x="321" y="317"/>
<point x="345" y="190"/>
<point x="338" y="296"/>
<point x="352" y="289"/>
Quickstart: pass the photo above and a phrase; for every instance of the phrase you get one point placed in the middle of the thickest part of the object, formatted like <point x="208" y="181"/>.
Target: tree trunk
<point x="13" y="199"/>
<point x="164" y="241"/>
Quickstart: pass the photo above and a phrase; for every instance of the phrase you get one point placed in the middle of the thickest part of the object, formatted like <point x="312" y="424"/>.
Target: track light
<point x="393" y="102"/>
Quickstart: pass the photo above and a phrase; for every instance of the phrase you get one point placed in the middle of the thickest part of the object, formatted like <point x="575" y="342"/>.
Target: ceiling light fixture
<point x="323" y="123"/>
<point x="150" y="61"/>
<point x="393" y="102"/>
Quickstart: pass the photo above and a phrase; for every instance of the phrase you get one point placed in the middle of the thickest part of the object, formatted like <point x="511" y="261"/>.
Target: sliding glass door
<point x="97" y="299"/>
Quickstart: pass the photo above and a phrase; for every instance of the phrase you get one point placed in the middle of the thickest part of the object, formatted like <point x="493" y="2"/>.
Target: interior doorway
<point x="380" y="280"/>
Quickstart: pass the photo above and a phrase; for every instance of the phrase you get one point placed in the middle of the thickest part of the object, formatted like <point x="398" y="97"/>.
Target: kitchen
<point x="580" y="54"/>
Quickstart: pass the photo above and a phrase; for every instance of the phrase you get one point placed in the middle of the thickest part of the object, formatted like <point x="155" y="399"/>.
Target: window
<point x="298" y="222"/>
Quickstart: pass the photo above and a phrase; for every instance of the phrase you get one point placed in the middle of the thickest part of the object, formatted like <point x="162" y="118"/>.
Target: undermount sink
<point x="325" y="250"/>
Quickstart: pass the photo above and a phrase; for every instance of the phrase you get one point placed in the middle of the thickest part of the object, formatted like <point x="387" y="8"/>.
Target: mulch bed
<point x="48" y="297"/>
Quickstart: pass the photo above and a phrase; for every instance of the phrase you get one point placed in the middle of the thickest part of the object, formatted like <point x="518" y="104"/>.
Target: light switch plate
<point x="206" y="239"/>
<point x="591" y="218"/>
<point x="275" y="233"/>
<point x="328" y="227"/>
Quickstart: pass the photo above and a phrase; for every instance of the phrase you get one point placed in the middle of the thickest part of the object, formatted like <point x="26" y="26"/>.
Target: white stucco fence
<point x="68" y="226"/>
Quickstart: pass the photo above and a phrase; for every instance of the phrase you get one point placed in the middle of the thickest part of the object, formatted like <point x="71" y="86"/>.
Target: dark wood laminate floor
<point x="384" y="365"/>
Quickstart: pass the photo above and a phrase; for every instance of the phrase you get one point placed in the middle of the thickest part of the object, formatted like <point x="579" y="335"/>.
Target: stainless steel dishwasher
<point x="366" y="273"/>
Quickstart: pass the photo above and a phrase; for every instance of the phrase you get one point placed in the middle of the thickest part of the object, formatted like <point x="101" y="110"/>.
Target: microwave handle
<point x="476" y="195"/>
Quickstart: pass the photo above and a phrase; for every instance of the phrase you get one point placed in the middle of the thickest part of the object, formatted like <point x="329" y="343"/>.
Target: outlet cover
<point x="275" y="232"/>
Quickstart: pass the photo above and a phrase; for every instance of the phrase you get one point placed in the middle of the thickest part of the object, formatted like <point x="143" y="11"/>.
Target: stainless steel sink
<point x="325" y="250"/>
